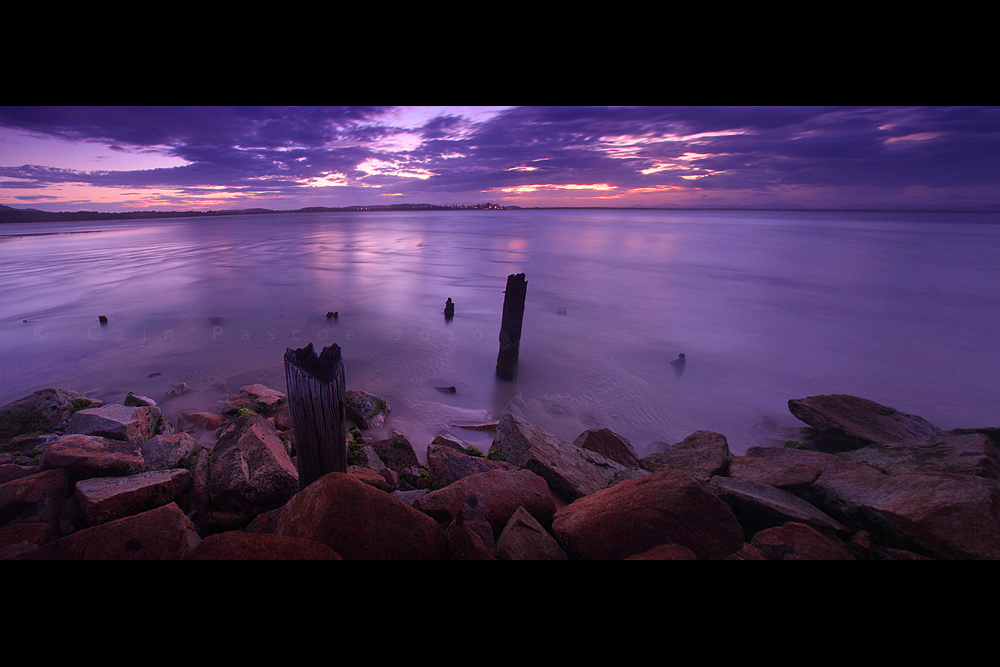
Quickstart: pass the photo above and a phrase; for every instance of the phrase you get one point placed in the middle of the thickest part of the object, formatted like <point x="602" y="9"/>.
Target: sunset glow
<point x="124" y="158"/>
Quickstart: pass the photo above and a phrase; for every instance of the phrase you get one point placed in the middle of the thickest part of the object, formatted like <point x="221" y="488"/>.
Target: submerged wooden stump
<point x="316" y="390"/>
<point x="510" y="327"/>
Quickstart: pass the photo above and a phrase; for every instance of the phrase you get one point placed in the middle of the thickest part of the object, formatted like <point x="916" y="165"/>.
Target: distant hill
<point x="11" y="214"/>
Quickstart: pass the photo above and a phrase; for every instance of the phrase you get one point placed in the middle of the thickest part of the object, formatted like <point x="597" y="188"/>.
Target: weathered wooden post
<point x="510" y="327"/>
<point x="316" y="390"/>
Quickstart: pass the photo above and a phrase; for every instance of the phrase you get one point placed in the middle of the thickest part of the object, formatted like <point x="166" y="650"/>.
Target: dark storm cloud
<point x="276" y="149"/>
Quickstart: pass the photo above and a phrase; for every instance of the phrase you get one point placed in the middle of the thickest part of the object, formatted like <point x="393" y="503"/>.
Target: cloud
<point x="441" y="153"/>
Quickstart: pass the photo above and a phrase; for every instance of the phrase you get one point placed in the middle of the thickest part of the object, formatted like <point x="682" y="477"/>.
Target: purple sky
<point x="176" y="158"/>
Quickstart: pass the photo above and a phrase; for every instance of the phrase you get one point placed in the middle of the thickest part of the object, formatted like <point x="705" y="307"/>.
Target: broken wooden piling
<point x="316" y="391"/>
<point x="510" y="326"/>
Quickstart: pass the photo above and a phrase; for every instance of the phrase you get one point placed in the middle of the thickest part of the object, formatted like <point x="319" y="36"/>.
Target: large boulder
<point x="166" y="452"/>
<point x="93" y="456"/>
<point x="449" y="464"/>
<point x="43" y="410"/>
<point x="239" y="545"/>
<point x="969" y="454"/>
<point x="772" y="472"/>
<point x="636" y="515"/>
<point x="250" y="470"/>
<point x="136" y="424"/>
<point x="164" y="533"/>
<point x="498" y="494"/>
<point x="103" y="499"/>
<point x="367" y="411"/>
<point x="943" y="515"/>
<point x="703" y="454"/>
<point x="612" y="445"/>
<point x="570" y="471"/>
<point x="842" y="423"/>
<point x="758" y="506"/>
<point x="357" y="521"/>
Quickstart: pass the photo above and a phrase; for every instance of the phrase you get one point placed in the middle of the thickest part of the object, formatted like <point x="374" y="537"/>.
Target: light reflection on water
<point x="766" y="307"/>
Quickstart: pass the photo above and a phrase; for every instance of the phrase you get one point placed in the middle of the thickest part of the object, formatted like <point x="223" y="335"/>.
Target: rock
<point x="239" y="545"/>
<point x="44" y="410"/>
<point x="367" y="411"/>
<point x="250" y="470"/>
<point x="410" y="496"/>
<point x="747" y="552"/>
<point x="164" y="533"/>
<point x="449" y="309"/>
<point x="165" y="452"/>
<point x="488" y="426"/>
<point x="206" y="420"/>
<point x="358" y="521"/>
<point x="772" y="471"/>
<point x="819" y="493"/>
<point x="369" y="458"/>
<point x="257" y="397"/>
<point x="498" y="492"/>
<point x="9" y="471"/>
<point x="413" y="477"/>
<point x="842" y="423"/>
<point x="943" y="516"/>
<point x="369" y="476"/>
<point x="179" y="390"/>
<point x="470" y="535"/>
<point x="93" y="456"/>
<point x="449" y="441"/>
<point x="971" y="454"/>
<point x="523" y="538"/>
<point x="798" y="541"/>
<point x="448" y="464"/>
<point x="104" y="499"/>
<point x="392" y="478"/>
<point x="118" y="422"/>
<point x="702" y="454"/>
<point x="137" y="401"/>
<point x="396" y="452"/>
<point x="608" y="443"/>
<point x="666" y="552"/>
<point x="758" y="506"/>
<point x="18" y="495"/>
<point x="103" y="319"/>
<point x="570" y="471"/>
<point x="632" y="517"/>
<point x="18" y="539"/>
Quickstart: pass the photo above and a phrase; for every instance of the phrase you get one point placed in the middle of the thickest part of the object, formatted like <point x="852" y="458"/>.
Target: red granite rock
<point x="637" y="515"/>
<point x="164" y="533"/>
<point x="357" y="521"/>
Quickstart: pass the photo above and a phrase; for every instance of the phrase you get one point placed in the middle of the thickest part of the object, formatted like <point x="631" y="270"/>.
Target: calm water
<point x="901" y="309"/>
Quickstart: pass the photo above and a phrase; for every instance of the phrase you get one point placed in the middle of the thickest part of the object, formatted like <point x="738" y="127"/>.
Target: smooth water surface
<point x="898" y="308"/>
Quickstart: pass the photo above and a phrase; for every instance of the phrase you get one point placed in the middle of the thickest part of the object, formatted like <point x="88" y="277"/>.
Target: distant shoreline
<point x="14" y="215"/>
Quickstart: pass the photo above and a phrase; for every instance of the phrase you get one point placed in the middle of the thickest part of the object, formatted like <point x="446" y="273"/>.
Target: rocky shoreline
<point x="81" y="479"/>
